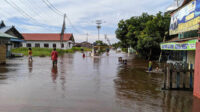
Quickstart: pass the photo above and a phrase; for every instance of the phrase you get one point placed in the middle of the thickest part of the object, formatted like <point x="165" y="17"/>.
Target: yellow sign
<point x="186" y="19"/>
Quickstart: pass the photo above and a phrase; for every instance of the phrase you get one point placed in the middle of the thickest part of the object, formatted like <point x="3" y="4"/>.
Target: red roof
<point x="46" y="36"/>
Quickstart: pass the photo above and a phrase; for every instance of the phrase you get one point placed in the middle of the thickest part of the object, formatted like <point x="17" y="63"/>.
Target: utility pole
<point x="62" y="32"/>
<point x="177" y="2"/>
<point x="87" y="37"/>
<point x="98" y="22"/>
<point x="106" y="38"/>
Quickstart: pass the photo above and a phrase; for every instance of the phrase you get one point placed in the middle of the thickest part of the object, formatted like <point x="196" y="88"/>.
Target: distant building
<point x="48" y="40"/>
<point x="84" y="44"/>
<point x="11" y="30"/>
<point x="183" y="32"/>
<point x="14" y="38"/>
<point x="4" y="46"/>
<point x="184" y="47"/>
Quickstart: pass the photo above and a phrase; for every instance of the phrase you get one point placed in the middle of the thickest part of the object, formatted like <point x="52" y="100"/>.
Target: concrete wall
<point x="191" y="57"/>
<point x="67" y="45"/>
<point x="2" y="54"/>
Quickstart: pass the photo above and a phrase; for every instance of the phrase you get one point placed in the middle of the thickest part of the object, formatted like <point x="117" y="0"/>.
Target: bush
<point x="42" y="52"/>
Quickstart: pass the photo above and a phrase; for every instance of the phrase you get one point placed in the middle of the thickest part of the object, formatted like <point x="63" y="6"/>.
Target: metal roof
<point x="5" y="29"/>
<point x="172" y="7"/>
<point x="46" y="36"/>
<point x="3" y="35"/>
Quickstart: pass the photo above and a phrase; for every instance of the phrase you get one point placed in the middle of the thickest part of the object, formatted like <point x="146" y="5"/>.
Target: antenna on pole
<point x="98" y="22"/>
<point x="62" y="32"/>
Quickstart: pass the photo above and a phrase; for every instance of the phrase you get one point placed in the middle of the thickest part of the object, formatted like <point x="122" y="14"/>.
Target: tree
<point x="144" y="33"/>
<point x="101" y="43"/>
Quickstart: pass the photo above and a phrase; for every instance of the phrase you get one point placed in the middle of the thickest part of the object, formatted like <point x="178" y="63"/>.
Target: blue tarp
<point x="16" y="40"/>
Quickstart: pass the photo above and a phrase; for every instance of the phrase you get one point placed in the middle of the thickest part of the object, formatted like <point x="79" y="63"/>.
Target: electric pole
<point x="177" y="3"/>
<point x="98" y="22"/>
<point x="106" y="38"/>
<point x="87" y="37"/>
<point x="62" y="32"/>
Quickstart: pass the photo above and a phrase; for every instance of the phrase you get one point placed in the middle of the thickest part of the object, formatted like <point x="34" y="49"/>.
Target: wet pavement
<point x="88" y="84"/>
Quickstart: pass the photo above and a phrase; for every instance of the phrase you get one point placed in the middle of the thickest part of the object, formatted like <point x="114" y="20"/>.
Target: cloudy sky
<point x="46" y="16"/>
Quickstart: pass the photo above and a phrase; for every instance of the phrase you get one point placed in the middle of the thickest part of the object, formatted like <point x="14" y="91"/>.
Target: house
<point x="4" y="46"/>
<point x="184" y="32"/>
<point x="48" y="40"/>
<point x="11" y="30"/>
<point x="84" y="44"/>
<point x="185" y="43"/>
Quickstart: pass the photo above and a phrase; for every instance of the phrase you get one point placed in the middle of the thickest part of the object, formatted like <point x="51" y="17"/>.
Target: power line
<point x="24" y="13"/>
<point x="55" y="10"/>
<point x="48" y="4"/>
<point x="38" y="9"/>
<point x="54" y="7"/>
<point x="72" y="25"/>
<point x="50" y="7"/>
<point x="28" y="6"/>
<point x="21" y="11"/>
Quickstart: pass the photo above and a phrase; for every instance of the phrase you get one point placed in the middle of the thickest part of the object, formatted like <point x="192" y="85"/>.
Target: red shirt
<point x="54" y="55"/>
<point x="30" y="52"/>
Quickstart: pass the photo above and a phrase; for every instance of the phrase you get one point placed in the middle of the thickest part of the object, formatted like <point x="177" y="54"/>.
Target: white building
<point x="46" y="40"/>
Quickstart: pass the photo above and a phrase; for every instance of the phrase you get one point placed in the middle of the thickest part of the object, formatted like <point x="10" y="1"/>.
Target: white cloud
<point x="82" y="13"/>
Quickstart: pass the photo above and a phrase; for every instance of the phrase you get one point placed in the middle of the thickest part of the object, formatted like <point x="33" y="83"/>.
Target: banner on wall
<point x="188" y="45"/>
<point x="186" y="18"/>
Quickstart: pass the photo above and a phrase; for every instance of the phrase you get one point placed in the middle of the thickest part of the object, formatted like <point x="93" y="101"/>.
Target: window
<point x="20" y="45"/>
<point x="37" y="45"/>
<point x="69" y="44"/>
<point x="16" y="45"/>
<point x="62" y="45"/>
<point x="54" y="45"/>
<point x="46" y="45"/>
<point x="28" y="45"/>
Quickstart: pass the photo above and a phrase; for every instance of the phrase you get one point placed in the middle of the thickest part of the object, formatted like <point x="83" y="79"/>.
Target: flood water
<point x="87" y="85"/>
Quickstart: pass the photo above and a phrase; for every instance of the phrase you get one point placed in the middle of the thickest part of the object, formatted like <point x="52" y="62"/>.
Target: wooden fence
<point x="178" y="77"/>
<point x="2" y="54"/>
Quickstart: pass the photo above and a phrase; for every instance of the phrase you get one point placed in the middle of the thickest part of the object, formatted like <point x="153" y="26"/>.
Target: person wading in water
<point x="54" y="57"/>
<point x="150" y="66"/>
<point x="30" y="59"/>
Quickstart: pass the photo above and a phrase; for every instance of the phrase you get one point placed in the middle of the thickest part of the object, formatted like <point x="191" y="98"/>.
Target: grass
<point x="42" y="52"/>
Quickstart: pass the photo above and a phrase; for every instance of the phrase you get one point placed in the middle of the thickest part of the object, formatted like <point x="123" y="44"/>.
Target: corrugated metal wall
<point x="197" y="72"/>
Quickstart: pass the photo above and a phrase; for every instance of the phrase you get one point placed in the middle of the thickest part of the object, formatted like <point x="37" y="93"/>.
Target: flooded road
<point x="87" y="85"/>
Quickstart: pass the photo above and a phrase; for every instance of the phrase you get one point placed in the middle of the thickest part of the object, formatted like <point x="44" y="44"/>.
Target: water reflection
<point x="96" y="63"/>
<point x="3" y="69"/>
<point x="177" y="101"/>
<point x="196" y="105"/>
<point x="30" y="66"/>
<point x="88" y="85"/>
<point x="54" y="73"/>
<point x="134" y="86"/>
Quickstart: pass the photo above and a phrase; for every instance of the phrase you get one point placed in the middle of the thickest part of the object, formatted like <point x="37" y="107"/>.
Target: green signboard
<point x="187" y="45"/>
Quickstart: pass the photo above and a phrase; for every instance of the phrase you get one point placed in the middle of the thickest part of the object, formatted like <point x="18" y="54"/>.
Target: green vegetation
<point x="144" y="33"/>
<point x="46" y="51"/>
<point x="100" y="43"/>
<point x="116" y="45"/>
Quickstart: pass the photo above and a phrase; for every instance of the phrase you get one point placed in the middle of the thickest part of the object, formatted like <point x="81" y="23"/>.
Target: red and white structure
<point x="48" y="40"/>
